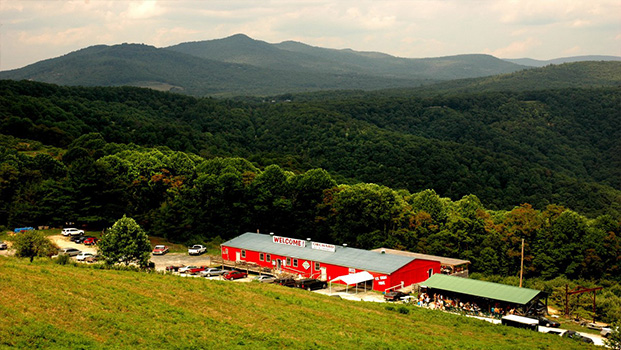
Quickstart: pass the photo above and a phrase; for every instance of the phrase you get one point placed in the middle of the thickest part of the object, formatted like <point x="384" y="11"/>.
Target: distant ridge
<point x="239" y="65"/>
<point x="541" y="63"/>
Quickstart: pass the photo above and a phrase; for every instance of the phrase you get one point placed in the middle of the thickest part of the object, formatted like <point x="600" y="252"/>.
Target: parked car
<point x="69" y="251"/>
<point x="546" y="322"/>
<point x="607" y="330"/>
<point x="91" y="241"/>
<point x="577" y="336"/>
<point x="310" y="284"/>
<point x="212" y="272"/>
<point x="83" y="256"/>
<point x="196" y="249"/>
<point x="174" y="268"/>
<point x="196" y="270"/>
<point x="185" y="269"/>
<point x="394" y="295"/>
<point x="80" y="239"/>
<point x="286" y="281"/>
<point x="234" y="274"/>
<point x="70" y="231"/>
<point x="3" y="245"/>
<point x="92" y="258"/>
<point x="160" y="249"/>
<point x="264" y="279"/>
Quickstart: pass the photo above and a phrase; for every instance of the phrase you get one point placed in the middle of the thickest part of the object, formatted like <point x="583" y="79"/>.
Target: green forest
<point x="459" y="175"/>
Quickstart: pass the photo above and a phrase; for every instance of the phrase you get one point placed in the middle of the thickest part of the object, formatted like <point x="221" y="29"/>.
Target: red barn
<point x="326" y="261"/>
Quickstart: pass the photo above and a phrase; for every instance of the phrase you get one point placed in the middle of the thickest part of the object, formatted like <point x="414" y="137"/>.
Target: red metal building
<point x="326" y="261"/>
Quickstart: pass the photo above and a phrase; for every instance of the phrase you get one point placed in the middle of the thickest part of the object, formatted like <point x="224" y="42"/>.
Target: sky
<point x="34" y="30"/>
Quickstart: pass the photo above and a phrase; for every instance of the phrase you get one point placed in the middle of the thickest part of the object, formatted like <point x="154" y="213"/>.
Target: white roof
<point x="354" y="278"/>
<point x="521" y="319"/>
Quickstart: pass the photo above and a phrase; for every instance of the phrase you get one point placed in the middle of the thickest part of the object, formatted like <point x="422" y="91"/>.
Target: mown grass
<point x="46" y="305"/>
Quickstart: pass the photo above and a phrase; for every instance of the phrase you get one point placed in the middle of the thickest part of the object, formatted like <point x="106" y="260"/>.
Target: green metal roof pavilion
<point x="483" y="289"/>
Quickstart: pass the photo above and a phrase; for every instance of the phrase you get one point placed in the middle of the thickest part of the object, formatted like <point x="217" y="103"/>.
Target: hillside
<point x="239" y="65"/>
<point x="295" y="56"/>
<point x="45" y="305"/>
<point x="541" y="63"/>
<point x="507" y="148"/>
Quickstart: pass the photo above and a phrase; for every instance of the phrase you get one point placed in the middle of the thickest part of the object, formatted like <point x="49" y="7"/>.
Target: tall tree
<point x="31" y="243"/>
<point x="125" y="242"/>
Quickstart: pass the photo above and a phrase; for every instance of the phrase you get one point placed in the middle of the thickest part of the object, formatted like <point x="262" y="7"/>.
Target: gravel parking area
<point x="64" y="242"/>
<point x="168" y="259"/>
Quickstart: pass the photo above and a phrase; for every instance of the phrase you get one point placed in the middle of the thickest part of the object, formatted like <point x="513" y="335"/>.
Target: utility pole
<point x="522" y="264"/>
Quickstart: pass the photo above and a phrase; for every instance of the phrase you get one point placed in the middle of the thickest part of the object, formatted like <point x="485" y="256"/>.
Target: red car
<point x="90" y="241"/>
<point x="195" y="270"/>
<point x="233" y="275"/>
<point x="160" y="249"/>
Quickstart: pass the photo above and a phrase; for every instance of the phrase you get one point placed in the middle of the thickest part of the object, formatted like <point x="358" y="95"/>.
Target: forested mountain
<point x="167" y="70"/>
<point x="547" y="147"/>
<point x="239" y="65"/>
<point x="295" y="56"/>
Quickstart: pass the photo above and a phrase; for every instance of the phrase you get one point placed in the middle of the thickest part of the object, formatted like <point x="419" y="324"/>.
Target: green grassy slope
<point x="44" y="305"/>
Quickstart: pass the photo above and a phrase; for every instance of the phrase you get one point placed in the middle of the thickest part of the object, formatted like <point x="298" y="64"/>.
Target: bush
<point x="62" y="259"/>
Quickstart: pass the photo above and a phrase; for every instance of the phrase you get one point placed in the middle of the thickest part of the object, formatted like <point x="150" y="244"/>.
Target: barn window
<point x="288" y="261"/>
<point x="261" y="256"/>
<point x="295" y="262"/>
<point x="430" y="272"/>
<point x="269" y="258"/>
<point x="317" y="266"/>
<point x="243" y="253"/>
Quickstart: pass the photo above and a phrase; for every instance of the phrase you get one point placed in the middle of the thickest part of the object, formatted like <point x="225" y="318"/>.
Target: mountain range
<point x="239" y="65"/>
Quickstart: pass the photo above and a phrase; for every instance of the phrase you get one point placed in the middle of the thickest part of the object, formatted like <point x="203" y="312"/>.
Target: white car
<point x="82" y="256"/>
<point x="72" y="232"/>
<point x="69" y="251"/>
<point x="196" y="249"/>
<point x="212" y="272"/>
<point x="185" y="269"/>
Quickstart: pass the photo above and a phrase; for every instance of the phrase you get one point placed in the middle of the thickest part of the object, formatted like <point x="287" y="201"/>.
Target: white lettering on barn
<point x="289" y="241"/>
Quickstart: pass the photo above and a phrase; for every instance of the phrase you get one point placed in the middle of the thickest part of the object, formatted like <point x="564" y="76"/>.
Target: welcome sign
<point x="289" y="241"/>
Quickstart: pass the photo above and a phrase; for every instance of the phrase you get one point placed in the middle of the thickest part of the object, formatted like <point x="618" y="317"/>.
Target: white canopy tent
<point x="353" y="278"/>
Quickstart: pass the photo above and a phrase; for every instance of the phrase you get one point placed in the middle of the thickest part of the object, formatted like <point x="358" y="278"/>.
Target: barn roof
<point x="483" y="289"/>
<point x="443" y="260"/>
<point x="359" y="259"/>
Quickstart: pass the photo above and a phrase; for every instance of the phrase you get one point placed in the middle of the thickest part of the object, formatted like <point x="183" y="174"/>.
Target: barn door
<point x="237" y="256"/>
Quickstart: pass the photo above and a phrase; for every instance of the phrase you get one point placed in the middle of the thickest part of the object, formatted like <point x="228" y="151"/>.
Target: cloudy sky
<point x="33" y="30"/>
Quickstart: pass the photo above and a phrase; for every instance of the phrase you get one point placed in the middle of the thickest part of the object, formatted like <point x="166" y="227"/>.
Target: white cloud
<point x="36" y="29"/>
<point x="516" y="49"/>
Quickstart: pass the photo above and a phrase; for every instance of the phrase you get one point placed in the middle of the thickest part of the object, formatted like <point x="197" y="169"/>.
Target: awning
<point x="354" y="278"/>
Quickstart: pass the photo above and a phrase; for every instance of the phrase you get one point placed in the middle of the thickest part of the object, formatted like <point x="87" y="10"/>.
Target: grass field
<point x="46" y="305"/>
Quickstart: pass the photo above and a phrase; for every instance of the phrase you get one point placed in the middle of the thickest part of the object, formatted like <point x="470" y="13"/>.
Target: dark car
<point x="310" y="284"/>
<point x="394" y="295"/>
<point x="233" y="275"/>
<point x="577" y="336"/>
<point x="174" y="268"/>
<point x="546" y="322"/>
<point x="287" y="282"/>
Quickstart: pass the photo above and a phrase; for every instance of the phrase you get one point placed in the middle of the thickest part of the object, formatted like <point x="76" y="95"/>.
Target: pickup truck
<point x="310" y="284"/>
<point x="195" y="270"/>
<point x="196" y="249"/>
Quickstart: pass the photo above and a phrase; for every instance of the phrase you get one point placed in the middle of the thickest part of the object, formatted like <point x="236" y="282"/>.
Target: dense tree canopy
<point x="465" y="176"/>
<point x="507" y="148"/>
